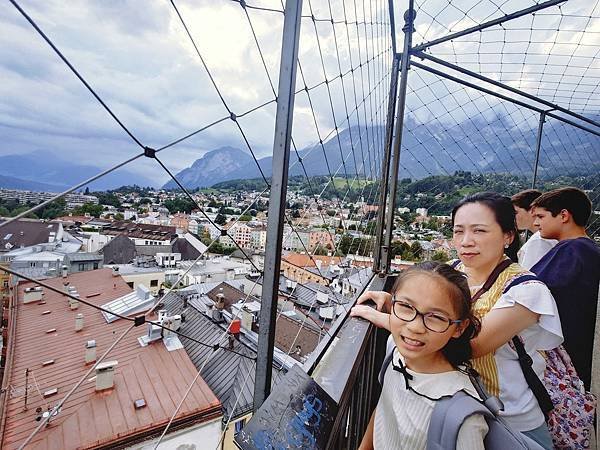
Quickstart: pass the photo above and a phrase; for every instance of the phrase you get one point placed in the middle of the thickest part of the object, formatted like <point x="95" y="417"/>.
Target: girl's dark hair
<point x="458" y="350"/>
<point x="504" y="213"/>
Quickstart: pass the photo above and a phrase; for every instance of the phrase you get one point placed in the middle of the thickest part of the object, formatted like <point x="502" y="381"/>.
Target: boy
<point x="536" y="246"/>
<point x="571" y="270"/>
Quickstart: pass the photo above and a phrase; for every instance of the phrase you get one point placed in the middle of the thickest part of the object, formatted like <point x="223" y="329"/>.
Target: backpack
<point x="450" y="412"/>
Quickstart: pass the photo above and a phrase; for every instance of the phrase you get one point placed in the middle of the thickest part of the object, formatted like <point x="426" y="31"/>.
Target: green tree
<point x="439" y="255"/>
<point x="180" y="205"/>
<point x="108" y="198"/>
<point x="220" y="219"/>
<point x="89" y="208"/>
<point x="53" y="210"/>
<point x="320" y="250"/>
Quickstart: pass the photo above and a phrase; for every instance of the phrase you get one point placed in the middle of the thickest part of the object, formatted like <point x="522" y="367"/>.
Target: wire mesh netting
<point x="150" y="94"/>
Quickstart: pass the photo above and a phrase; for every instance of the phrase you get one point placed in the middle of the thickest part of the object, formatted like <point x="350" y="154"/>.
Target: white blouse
<point x="403" y="414"/>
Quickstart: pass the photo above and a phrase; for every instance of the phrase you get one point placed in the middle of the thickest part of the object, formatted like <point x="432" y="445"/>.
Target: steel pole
<point x="508" y="88"/>
<point x="409" y="17"/>
<point x="482" y="26"/>
<point x="275" y="221"/>
<point x="538" y="146"/>
<point x="480" y="88"/>
<point x="380" y="249"/>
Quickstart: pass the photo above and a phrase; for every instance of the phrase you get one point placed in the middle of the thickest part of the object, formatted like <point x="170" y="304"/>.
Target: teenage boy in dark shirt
<point x="571" y="270"/>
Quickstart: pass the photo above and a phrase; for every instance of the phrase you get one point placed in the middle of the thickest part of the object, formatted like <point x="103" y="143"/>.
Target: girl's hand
<point x="382" y="299"/>
<point x="377" y="318"/>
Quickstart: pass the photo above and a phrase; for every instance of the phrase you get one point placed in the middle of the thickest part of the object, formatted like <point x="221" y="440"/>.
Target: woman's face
<point x="477" y="237"/>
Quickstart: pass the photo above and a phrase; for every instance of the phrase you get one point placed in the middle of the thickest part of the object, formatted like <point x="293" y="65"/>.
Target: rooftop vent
<point x="32" y="294"/>
<point x="105" y="374"/>
<point x="65" y="271"/>
<point x="322" y="297"/>
<point x="90" y="352"/>
<point x="79" y="322"/>
<point x="327" y="312"/>
<point x="115" y="271"/>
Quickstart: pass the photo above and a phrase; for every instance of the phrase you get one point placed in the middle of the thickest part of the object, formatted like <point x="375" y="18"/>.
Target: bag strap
<point x="533" y="381"/>
<point x="447" y="417"/>
<point x="386" y="362"/>
<point x="491" y="279"/>
<point x="520" y="279"/>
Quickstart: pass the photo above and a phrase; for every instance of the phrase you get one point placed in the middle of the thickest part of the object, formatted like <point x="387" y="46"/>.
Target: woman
<point x="484" y="235"/>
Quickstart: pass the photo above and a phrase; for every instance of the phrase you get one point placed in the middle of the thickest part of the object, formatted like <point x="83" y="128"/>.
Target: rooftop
<point x="24" y="233"/>
<point x="88" y="418"/>
<point x="139" y="231"/>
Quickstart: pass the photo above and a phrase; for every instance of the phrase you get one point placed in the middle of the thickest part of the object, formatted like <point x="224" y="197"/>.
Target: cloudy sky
<point x="137" y="57"/>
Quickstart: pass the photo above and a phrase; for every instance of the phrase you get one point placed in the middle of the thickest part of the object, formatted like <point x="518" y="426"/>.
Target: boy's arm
<point x="367" y="440"/>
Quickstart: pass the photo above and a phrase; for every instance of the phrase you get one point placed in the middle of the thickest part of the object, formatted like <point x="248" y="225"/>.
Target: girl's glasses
<point x="434" y="321"/>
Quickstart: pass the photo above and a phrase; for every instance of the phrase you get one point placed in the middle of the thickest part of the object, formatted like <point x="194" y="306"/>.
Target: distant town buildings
<point x="73" y="200"/>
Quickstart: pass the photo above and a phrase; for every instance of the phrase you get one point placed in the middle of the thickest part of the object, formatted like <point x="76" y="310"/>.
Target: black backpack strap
<point x="519" y="280"/>
<point x="386" y="362"/>
<point x="533" y="381"/>
<point x="454" y="264"/>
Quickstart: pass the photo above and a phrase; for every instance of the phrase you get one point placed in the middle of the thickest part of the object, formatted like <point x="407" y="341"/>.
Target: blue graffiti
<point x="299" y="432"/>
<point x="302" y="427"/>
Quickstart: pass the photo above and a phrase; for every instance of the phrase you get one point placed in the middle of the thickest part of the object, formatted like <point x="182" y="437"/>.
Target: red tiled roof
<point x="90" y="419"/>
<point x="301" y="260"/>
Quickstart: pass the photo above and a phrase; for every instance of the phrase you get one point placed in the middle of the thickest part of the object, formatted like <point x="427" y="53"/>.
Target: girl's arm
<point x="499" y="326"/>
<point x="367" y="440"/>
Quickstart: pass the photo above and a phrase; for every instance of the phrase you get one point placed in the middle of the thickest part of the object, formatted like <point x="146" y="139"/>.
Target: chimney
<point x="247" y="319"/>
<point x="234" y="328"/>
<point x="79" y="322"/>
<point x="90" y="352"/>
<point x="105" y="374"/>
<point x="220" y="303"/>
<point x="65" y="271"/>
<point x="115" y="271"/>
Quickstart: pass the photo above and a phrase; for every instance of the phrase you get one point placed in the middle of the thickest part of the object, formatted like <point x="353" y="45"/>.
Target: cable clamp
<point x="232" y="116"/>
<point x="215" y="347"/>
<point x="139" y="320"/>
<point x="149" y="152"/>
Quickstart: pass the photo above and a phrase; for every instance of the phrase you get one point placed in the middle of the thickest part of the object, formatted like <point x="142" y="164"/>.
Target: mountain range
<point x="476" y="145"/>
<point x="43" y="171"/>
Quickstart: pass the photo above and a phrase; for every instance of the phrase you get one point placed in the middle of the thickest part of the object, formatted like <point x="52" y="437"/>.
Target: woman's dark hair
<point x="504" y="213"/>
<point x="458" y="350"/>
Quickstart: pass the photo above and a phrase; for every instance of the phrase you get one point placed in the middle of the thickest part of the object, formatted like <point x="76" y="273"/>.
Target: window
<point x="32" y="264"/>
<point x="239" y="426"/>
<point x="130" y="284"/>
<point x="81" y="267"/>
<point x="95" y="265"/>
<point x="153" y="283"/>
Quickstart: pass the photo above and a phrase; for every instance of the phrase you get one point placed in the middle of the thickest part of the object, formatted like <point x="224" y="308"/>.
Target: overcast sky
<point x="137" y="57"/>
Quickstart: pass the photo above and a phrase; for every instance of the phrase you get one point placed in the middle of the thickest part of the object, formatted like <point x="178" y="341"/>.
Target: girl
<point x="431" y="325"/>
<point x="484" y="235"/>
